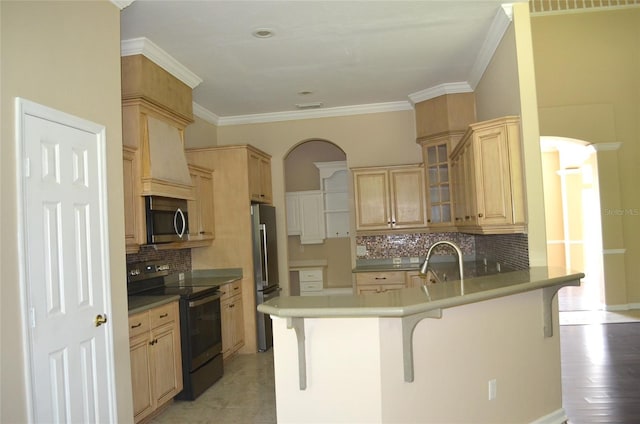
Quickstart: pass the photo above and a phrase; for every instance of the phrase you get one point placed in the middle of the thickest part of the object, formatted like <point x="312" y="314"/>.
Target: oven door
<point x="204" y="331"/>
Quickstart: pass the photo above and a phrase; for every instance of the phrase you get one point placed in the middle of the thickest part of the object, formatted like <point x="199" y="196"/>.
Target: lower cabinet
<point x="232" y="320"/>
<point x="379" y="282"/>
<point x="156" y="361"/>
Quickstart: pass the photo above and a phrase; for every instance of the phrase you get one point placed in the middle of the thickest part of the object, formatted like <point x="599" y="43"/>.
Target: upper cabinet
<point x="389" y="198"/>
<point x="260" y="189"/>
<point x="488" y="178"/>
<point x="201" y="215"/>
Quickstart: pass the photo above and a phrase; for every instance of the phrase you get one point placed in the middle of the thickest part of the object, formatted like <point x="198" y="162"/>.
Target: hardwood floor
<point x="601" y="373"/>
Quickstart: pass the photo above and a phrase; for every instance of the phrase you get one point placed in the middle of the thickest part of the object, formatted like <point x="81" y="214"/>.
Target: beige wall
<point x="588" y="89"/>
<point x="300" y="173"/>
<point x="75" y="70"/>
<point x="200" y="134"/>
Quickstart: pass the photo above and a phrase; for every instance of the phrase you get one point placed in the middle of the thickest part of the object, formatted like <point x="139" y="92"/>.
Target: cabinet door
<point x="133" y="207"/>
<point x="293" y="214"/>
<point x="143" y="399"/>
<point x="439" y="199"/>
<point x="166" y="362"/>
<point x="238" y="323"/>
<point x="201" y="213"/>
<point x="493" y="188"/>
<point x="372" y="202"/>
<point x="259" y="178"/>
<point x="228" y="326"/>
<point x="265" y="180"/>
<point x="408" y="198"/>
<point x="312" y="227"/>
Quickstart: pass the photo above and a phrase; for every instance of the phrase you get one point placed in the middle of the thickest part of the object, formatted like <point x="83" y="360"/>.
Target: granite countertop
<point x="410" y="301"/>
<point x="444" y="270"/>
<point x="143" y="303"/>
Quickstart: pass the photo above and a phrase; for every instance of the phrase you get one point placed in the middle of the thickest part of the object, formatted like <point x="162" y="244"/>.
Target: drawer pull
<point x="381" y="278"/>
<point x="164" y="315"/>
<point x="137" y="325"/>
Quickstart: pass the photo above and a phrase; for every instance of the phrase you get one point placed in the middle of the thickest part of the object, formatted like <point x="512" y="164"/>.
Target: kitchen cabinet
<point x="201" y="214"/>
<point x="379" y="282"/>
<point x="156" y="362"/>
<point x="134" y="219"/>
<point x="305" y="211"/>
<point x="390" y="198"/>
<point x="311" y="281"/>
<point x="488" y="173"/>
<point x="260" y="177"/>
<point x="232" y="319"/>
<point x="334" y="183"/>
<point x="440" y="192"/>
<point x="415" y="279"/>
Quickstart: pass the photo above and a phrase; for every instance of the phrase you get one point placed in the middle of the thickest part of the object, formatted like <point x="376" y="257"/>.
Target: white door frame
<point x="24" y="108"/>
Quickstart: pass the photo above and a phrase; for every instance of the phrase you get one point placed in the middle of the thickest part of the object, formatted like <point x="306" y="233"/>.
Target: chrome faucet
<point x="425" y="265"/>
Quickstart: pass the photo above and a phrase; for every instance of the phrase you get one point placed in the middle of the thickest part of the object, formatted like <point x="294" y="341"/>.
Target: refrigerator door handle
<point x="265" y="259"/>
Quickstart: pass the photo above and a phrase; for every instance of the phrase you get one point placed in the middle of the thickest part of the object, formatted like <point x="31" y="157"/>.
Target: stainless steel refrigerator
<point x="265" y="267"/>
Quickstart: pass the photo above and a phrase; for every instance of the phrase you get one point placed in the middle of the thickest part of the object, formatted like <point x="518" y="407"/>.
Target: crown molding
<point x="499" y="26"/>
<point x="606" y="147"/>
<point x="439" y="90"/>
<point x="205" y="114"/>
<point x="121" y="4"/>
<point x="146" y="47"/>
<point x="316" y="113"/>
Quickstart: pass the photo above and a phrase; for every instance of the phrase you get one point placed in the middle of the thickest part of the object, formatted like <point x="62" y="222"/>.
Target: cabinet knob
<point x="479" y="215"/>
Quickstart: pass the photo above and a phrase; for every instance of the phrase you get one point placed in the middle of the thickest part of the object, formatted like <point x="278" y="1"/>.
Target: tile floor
<point x="244" y="395"/>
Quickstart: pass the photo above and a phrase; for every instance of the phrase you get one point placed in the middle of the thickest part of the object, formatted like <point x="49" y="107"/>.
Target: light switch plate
<point x="414" y="260"/>
<point x="397" y="261"/>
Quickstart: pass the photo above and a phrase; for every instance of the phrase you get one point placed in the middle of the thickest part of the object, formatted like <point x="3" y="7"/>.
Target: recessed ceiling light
<point x="305" y="92"/>
<point x="263" y="33"/>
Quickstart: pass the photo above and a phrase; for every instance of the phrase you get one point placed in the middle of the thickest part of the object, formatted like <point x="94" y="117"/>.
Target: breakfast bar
<point x="421" y="354"/>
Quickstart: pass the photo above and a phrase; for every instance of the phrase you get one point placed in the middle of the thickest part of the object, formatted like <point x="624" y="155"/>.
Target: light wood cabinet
<point x="390" y="197"/>
<point x="232" y="318"/>
<point x="260" y="188"/>
<point x="201" y="214"/>
<point x="134" y="225"/>
<point x="156" y="362"/>
<point x="438" y="175"/>
<point x="379" y="282"/>
<point x="488" y="173"/>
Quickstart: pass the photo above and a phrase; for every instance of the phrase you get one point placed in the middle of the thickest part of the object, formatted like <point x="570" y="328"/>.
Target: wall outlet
<point x="361" y="250"/>
<point x="181" y="276"/>
<point x="414" y="260"/>
<point x="493" y="388"/>
<point x="397" y="261"/>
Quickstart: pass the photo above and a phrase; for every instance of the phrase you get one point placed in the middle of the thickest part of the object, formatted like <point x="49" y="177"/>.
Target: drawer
<point x="163" y="314"/>
<point x="311" y="275"/>
<point x="138" y="323"/>
<point x="390" y="277"/>
<point x="306" y="286"/>
<point x="231" y="289"/>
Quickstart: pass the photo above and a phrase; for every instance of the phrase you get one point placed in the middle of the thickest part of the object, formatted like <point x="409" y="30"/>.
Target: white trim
<point x="204" y="113"/>
<point x="565" y="241"/>
<point x="146" y="47"/>
<point x="318" y="113"/>
<point x="121" y="4"/>
<point x="556" y="417"/>
<point x="585" y="9"/>
<point x="25" y="108"/>
<point x="605" y="147"/>
<point x="634" y="305"/>
<point x="439" y="90"/>
<point x="499" y="26"/>
<point x="620" y="307"/>
<point x="614" y="251"/>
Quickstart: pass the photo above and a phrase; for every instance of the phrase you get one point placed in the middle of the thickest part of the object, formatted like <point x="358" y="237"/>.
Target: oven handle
<point x="204" y="300"/>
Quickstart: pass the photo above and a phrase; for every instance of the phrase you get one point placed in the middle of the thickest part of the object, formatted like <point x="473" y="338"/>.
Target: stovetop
<point x="149" y="279"/>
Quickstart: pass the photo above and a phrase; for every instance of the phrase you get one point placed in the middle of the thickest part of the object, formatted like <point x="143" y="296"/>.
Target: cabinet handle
<point x="381" y="278"/>
<point x="479" y="215"/>
<point x="137" y="325"/>
<point x="164" y="315"/>
<point x="236" y="288"/>
<point x="233" y="305"/>
<point x="154" y="341"/>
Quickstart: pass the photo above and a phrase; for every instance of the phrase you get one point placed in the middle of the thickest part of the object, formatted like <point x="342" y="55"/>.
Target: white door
<point x="66" y="278"/>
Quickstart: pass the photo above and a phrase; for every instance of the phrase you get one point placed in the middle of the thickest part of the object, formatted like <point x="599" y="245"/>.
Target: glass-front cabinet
<point x="435" y="151"/>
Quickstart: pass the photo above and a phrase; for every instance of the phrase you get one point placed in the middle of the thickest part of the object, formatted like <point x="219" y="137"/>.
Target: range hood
<point x="164" y="165"/>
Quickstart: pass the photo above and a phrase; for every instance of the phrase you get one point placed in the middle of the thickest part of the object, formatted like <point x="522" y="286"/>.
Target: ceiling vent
<point x="303" y="106"/>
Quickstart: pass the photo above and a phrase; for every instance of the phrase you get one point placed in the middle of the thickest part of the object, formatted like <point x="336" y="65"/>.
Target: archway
<point x="572" y="213"/>
<point x="316" y="181"/>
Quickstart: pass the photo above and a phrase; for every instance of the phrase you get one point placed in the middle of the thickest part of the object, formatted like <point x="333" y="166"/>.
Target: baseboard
<point x="556" y="417"/>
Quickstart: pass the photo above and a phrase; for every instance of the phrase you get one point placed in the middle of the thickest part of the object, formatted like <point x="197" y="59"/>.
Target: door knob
<point x="100" y="319"/>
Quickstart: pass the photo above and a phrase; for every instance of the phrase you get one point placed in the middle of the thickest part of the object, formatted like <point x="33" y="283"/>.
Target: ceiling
<point x="346" y="55"/>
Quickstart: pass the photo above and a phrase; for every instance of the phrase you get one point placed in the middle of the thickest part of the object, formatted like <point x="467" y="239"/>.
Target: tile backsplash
<point x="511" y="250"/>
<point x="179" y="260"/>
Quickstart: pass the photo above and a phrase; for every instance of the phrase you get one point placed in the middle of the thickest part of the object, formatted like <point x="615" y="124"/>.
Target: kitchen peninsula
<point x="481" y="350"/>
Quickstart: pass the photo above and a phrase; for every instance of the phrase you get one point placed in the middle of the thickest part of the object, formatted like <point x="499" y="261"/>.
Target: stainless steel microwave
<point x="167" y="219"/>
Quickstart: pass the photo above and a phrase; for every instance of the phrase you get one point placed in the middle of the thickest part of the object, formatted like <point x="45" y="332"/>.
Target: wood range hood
<point x="156" y="108"/>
